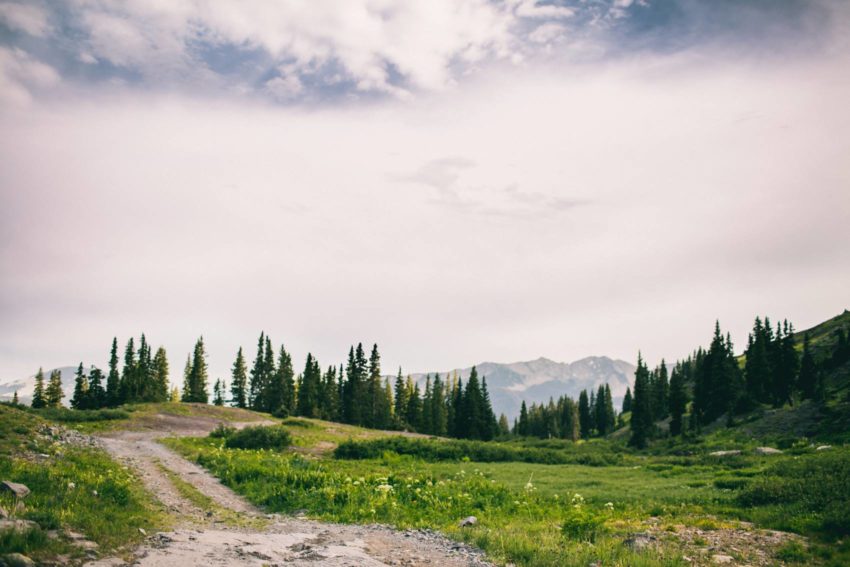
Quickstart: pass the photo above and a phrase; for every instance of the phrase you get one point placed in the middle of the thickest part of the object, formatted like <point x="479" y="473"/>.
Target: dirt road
<point x="227" y="530"/>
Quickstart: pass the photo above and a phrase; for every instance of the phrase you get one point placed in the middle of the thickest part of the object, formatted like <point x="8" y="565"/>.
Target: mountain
<point x="538" y="380"/>
<point x="25" y="386"/>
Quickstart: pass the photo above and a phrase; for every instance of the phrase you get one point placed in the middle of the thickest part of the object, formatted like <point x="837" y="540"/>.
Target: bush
<point x="222" y="431"/>
<point x="582" y="525"/>
<point x="66" y="415"/>
<point x="274" y="437"/>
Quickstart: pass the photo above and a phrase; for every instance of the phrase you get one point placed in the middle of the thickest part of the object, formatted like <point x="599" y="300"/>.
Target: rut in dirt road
<point x="231" y="531"/>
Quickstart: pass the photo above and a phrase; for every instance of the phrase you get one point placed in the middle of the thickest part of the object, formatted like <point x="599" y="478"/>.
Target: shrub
<point x="66" y="415"/>
<point x="582" y="525"/>
<point x="274" y="437"/>
<point x="222" y="431"/>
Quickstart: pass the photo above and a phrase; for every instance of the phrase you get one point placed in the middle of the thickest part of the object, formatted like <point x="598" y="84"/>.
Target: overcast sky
<point x="456" y="180"/>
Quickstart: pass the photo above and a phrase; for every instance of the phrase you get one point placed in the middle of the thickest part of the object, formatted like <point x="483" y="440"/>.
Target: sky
<point x="456" y="180"/>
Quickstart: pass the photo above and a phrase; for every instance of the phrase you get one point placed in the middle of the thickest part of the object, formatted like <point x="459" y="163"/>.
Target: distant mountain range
<point x="508" y="384"/>
<point x="538" y="380"/>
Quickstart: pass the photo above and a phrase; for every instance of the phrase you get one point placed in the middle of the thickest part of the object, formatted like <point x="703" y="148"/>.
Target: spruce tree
<point x="187" y="380"/>
<point x="601" y="417"/>
<point x="627" y="400"/>
<point x="218" y="393"/>
<point x="427" y="413"/>
<point x="569" y="419"/>
<point x="661" y="392"/>
<point x="677" y="402"/>
<point x="522" y="428"/>
<point x="15" y="401"/>
<point x="329" y="401"/>
<point x="38" y="398"/>
<point x="585" y="423"/>
<point x="97" y="393"/>
<point x="128" y="373"/>
<point x="280" y="388"/>
<point x="641" y="421"/>
<point x="53" y="393"/>
<point x="504" y="428"/>
<point x="161" y="379"/>
<point x="197" y="378"/>
<point x="113" y="379"/>
<point x="400" y="401"/>
<point x="438" y="406"/>
<point x="257" y="386"/>
<point x="414" y="407"/>
<point x="807" y="380"/>
<point x="489" y="425"/>
<point x="308" y="388"/>
<point x="80" y="398"/>
<point x="458" y="409"/>
<point x="610" y="414"/>
<point x="239" y="382"/>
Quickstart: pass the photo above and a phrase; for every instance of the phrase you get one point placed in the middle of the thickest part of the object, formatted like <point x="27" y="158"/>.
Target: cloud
<point x="28" y="18"/>
<point x="21" y="74"/>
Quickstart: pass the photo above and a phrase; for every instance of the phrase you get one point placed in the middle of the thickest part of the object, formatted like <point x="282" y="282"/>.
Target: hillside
<point x="536" y="381"/>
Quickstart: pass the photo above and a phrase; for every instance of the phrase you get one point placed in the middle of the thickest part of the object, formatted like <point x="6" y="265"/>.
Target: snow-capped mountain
<point x="538" y="380"/>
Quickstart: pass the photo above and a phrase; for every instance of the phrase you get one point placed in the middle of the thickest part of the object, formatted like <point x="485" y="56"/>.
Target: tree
<point x="113" y="379"/>
<point x="504" y="428"/>
<point x="439" y="418"/>
<point x="627" y="400"/>
<point x="38" y="398"/>
<point x="807" y="380"/>
<point x="97" y="393"/>
<point x="258" y="386"/>
<point x="80" y="399"/>
<point x="53" y="393"/>
<point x="641" y="422"/>
<point x="584" y="415"/>
<point x="569" y="426"/>
<point x="239" y="382"/>
<point x="661" y="392"/>
<point x="280" y="389"/>
<point x="195" y="386"/>
<point x="128" y="373"/>
<point x="677" y="402"/>
<point x="414" y="405"/>
<point x="757" y="370"/>
<point x="400" y="401"/>
<point x="161" y="380"/>
<point x="15" y="401"/>
<point x="218" y="392"/>
<point x="522" y="428"/>
<point x="308" y="388"/>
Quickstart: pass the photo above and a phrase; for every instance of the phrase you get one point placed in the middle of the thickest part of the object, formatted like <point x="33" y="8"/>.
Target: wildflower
<point x="71" y="486"/>
<point x="384" y="488"/>
<point x="609" y="506"/>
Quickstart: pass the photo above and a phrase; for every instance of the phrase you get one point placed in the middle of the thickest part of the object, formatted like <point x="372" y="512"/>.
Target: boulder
<point x="16" y="560"/>
<point x="19" y="490"/>
<point x="468" y="521"/>
<point x="639" y="541"/>
<point x="767" y="451"/>
<point x="725" y="453"/>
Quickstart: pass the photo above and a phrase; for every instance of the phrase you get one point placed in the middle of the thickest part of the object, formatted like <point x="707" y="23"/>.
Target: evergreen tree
<point x="187" y="380"/>
<point x="280" y="387"/>
<point x="786" y="366"/>
<point x="161" y="380"/>
<point x="128" y="373"/>
<point x="113" y="379"/>
<point x="489" y="425"/>
<point x="661" y="392"/>
<point x="641" y="422"/>
<point x="329" y="396"/>
<point x="627" y="400"/>
<point x="218" y="392"/>
<point x="414" y="406"/>
<point x="504" y="428"/>
<point x="610" y="414"/>
<point x="239" y="382"/>
<point x="197" y="378"/>
<point x="458" y="408"/>
<point x="427" y="425"/>
<point x="757" y="365"/>
<point x="400" y="401"/>
<point x="601" y="418"/>
<point x="569" y="426"/>
<point x="308" y="388"/>
<point x="677" y="402"/>
<point x="438" y="407"/>
<point x="80" y="399"/>
<point x="143" y="387"/>
<point x="807" y="380"/>
<point x="585" y="422"/>
<point x="356" y="403"/>
<point x="257" y="386"/>
<point x="522" y="428"/>
<point x="97" y="393"/>
<point x="38" y="398"/>
<point x="53" y="393"/>
<point x="15" y="401"/>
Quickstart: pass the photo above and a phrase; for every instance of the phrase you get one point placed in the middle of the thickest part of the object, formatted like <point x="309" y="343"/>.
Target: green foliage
<point x="582" y="524"/>
<point x="272" y="437"/>
<point x="222" y="431"/>
<point x="65" y="415"/>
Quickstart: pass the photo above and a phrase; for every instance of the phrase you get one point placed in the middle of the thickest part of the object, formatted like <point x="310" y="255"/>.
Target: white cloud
<point x="535" y="9"/>
<point x="547" y="32"/>
<point x="285" y="88"/>
<point x="20" y="74"/>
<point x="28" y="18"/>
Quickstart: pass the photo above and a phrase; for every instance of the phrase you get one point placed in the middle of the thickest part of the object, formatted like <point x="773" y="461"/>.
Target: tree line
<point x="592" y="416"/>
<point x="772" y="371"/>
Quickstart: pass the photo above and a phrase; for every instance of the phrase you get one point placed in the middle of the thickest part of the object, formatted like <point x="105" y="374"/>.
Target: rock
<point x="85" y="544"/>
<point x="639" y="541"/>
<point x="719" y="558"/>
<point x="143" y="532"/>
<point x="823" y="447"/>
<point x="16" y="560"/>
<point x="767" y="451"/>
<point x="19" y="490"/>
<point x="17" y="525"/>
<point x="468" y="521"/>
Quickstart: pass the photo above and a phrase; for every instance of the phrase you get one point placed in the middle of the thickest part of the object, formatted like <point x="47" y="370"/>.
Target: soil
<point x="234" y="532"/>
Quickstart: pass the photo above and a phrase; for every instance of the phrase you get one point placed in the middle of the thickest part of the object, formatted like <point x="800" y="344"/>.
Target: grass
<point x="527" y="512"/>
<point x="73" y="488"/>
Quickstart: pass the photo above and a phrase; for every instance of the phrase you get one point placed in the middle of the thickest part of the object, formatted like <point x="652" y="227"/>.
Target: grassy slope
<point x="105" y="502"/>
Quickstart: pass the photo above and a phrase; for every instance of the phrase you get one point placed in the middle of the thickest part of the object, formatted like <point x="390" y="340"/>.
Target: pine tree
<point x="601" y="418"/>
<point x="610" y="414"/>
<point x="356" y="405"/>
<point x="757" y="365"/>
<point x="504" y="428"/>
<point x="268" y="375"/>
<point x="97" y="393"/>
<point x="80" y="399"/>
<point x="787" y="366"/>
<point x="161" y="379"/>
<point x="414" y="406"/>
<point x="258" y="386"/>
<point x="187" y="380"/>
<point x="218" y="393"/>
<point x="308" y="388"/>
<point x="113" y="379"/>
<point x="53" y="393"/>
<point x="280" y="388"/>
<point x="128" y="373"/>
<point x="677" y="402"/>
<point x="15" y="401"/>
<point x="376" y="400"/>
<point x="569" y="419"/>
<point x="641" y="422"/>
<point x="522" y="428"/>
<point x="38" y="398"/>
<point x="627" y="400"/>
<point x="489" y="426"/>
<point x="458" y="408"/>
<point x="144" y="387"/>
<point x="400" y="401"/>
<point x="807" y="380"/>
<point x="585" y="423"/>
<point x="661" y="392"/>
<point x="197" y="377"/>
<point x="239" y="382"/>
<point x="438" y="406"/>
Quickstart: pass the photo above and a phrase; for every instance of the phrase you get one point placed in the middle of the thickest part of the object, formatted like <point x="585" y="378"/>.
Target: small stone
<point x="19" y="490"/>
<point x="767" y="451"/>
<point x="725" y="453"/>
<point x="720" y="559"/>
<point x="16" y="560"/>
<point x="468" y="521"/>
<point x="823" y="447"/>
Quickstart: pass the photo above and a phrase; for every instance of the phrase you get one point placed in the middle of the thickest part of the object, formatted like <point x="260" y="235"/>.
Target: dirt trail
<point x="231" y="531"/>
